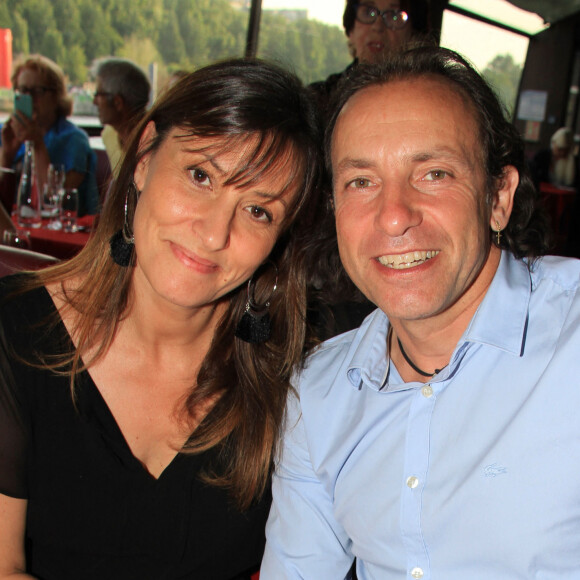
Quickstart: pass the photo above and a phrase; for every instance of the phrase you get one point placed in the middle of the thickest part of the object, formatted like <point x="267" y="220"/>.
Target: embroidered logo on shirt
<point x="494" y="470"/>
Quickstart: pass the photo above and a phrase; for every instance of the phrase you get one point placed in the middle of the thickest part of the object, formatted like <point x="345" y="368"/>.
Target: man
<point x="375" y="29"/>
<point x="441" y="439"/>
<point x="121" y="99"/>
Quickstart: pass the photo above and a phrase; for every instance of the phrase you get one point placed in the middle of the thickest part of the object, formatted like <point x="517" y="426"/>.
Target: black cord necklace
<point x="413" y="365"/>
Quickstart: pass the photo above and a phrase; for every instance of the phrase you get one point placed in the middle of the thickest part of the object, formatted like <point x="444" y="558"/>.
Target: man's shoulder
<point x="562" y="273"/>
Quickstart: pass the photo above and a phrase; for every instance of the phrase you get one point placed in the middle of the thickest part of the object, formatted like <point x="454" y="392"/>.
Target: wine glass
<point x="51" y="194"/>
<point x="69" y="207"/>
<point x="18" y="238"/>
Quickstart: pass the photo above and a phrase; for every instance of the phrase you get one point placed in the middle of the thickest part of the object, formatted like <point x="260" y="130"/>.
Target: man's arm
<point x="303" y="538"/>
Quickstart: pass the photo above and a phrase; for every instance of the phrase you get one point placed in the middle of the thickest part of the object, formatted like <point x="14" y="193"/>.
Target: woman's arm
<point x="12" y="525"/>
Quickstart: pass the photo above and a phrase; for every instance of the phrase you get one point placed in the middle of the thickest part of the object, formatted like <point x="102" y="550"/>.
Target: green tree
<point x="503" y="74"/>
<point x="171" y="45"/>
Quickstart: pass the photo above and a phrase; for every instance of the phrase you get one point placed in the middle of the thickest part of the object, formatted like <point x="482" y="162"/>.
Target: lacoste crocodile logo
<point x="494" y="470"/>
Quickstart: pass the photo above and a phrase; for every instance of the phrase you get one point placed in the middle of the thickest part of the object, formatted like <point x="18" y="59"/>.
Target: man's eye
<point x="200" y="176"/>
<point x="436" y="175"/>
<point x="359" y="183"/>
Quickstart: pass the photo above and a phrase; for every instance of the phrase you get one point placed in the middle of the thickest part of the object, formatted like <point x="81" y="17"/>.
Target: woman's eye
<point x="436" y="175"/>
<point x="200" y="176"/>
<point x="359" y="183"/>
<point x="259" y="213"/>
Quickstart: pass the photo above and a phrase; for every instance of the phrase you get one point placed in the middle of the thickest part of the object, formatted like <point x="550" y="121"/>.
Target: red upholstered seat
<point x="17" y="259"/>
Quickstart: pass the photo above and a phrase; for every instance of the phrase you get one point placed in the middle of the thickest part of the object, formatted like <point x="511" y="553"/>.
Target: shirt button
<point x="417" y="573"/>
<point x="427" y="391"/>
<point x="412" y="482"/>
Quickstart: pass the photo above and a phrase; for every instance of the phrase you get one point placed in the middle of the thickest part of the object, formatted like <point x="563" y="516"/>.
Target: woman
<point x="375" y="29"/>
<point x="56" y="140"/>
<point x="157" y="466"/>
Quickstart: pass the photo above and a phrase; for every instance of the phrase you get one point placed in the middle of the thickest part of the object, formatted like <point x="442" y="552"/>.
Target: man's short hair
<point x="120" y="76"/>
<point x="418" y="11"/>
<point x="527" y="233"/>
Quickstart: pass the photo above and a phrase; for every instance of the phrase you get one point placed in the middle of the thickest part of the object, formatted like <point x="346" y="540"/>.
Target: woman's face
<point x="196" y="237"/>
<point x="372" y="42"/>
<point x="44" y="100"/>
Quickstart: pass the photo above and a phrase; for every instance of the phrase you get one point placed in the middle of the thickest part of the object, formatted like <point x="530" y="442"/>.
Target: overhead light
<point x="503" y="12"/>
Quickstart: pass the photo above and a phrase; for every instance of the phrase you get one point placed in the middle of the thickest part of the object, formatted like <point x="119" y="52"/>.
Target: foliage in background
<point x="503" y="74"/>
<point x="177" y="34"/>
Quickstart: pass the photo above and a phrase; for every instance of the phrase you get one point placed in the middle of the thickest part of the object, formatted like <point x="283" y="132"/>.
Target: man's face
<point x="105" y="103"/>
<point x="371" y="42"/>
<point x="412" y="222"/>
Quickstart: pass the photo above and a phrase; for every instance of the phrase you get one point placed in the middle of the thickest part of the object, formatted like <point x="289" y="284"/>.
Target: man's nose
<point x="397" y="210"/>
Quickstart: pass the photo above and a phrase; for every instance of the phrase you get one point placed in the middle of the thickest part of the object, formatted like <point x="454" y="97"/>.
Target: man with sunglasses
<point x="56" y="140"/>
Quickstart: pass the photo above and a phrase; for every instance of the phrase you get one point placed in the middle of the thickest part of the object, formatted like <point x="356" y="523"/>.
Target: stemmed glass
<point x="53" y="190"/>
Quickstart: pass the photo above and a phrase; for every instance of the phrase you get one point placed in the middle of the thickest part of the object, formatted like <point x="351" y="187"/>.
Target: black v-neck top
<point x="94" y="512"/>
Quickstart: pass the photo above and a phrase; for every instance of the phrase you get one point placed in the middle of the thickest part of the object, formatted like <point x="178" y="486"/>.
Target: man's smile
<point x="408" y="260"/>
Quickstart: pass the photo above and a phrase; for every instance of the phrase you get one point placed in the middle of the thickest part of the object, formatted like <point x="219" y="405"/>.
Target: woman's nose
<point x="213" y="226"/>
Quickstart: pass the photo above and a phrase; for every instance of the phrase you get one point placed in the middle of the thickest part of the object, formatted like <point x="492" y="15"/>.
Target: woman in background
<point x="56" y="140"/>
<point x="143" y="382"/>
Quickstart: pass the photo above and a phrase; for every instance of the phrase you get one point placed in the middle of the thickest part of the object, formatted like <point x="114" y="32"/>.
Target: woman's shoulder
<point x="23" y="300"/>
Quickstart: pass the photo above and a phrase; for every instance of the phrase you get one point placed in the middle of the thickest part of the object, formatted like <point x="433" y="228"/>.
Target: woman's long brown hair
<point x="235" y="100"/>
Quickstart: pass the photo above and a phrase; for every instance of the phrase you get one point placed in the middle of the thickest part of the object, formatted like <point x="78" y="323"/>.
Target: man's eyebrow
<point x="354" y="163"/>
<point x="444" y="153"/>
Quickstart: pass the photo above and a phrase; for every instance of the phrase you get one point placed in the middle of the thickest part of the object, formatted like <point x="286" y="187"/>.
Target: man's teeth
<point x="409" y="260"/>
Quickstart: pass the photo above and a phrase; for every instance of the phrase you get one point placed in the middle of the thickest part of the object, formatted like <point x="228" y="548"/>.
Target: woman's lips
<point x="192" y="260"/>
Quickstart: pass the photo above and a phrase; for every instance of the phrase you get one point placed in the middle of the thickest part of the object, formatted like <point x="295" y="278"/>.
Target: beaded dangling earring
<point x="122" y="242"/>
<point x="255" y="325"/>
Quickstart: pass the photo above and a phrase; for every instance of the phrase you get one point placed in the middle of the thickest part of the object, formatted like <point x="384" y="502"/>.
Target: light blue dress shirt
<point x="474" y="475"/>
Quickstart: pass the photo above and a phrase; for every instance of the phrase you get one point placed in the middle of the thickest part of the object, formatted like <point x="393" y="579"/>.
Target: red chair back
<point x="16" y="259"/>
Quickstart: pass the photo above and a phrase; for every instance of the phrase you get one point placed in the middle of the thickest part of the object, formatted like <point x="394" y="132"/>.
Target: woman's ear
<point x="503" y="202"/>
<point x="142" y="169"/>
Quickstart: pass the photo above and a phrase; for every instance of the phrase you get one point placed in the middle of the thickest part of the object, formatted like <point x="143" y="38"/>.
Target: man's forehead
<point x="416" y="118"/>
<point x="427" y="99"/>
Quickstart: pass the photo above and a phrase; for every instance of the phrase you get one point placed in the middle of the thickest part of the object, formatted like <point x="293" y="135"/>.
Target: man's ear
<point x="118" y="103"/>
<point x="503" y="201"/>
<point x="142" y="169"/>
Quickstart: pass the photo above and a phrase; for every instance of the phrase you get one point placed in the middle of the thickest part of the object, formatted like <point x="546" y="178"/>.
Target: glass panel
<point x="504" y="12"/>
<point x="498" y="54"/>
<point x="306" y="36"/>
<point x="161" y="36"/>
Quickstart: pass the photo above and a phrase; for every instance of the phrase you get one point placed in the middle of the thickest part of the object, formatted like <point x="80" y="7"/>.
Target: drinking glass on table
<point x="53" y="189"/>
<point x="69" y="207"/>
<point x="18" y="238"/>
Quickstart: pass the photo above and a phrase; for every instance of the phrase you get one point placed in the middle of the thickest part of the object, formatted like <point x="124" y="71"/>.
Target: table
<point x="57" y="243"/>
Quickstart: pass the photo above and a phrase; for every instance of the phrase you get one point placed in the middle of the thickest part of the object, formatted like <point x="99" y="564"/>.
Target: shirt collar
<point x="500" y="322"/>
<point x="501" y="318"/>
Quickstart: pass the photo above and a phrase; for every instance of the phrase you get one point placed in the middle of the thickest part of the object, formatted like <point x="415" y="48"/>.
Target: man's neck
<point x="428" y="343"/>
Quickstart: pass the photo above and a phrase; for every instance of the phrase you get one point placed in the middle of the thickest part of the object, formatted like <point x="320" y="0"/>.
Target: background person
<point x="439" y="440"/>
<point x="122" y="95"/>
<point x="557" y="164"/>
<point x="157" y="464"/>
<point x="56" y="140"/>
<point x="375" y="29"/>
